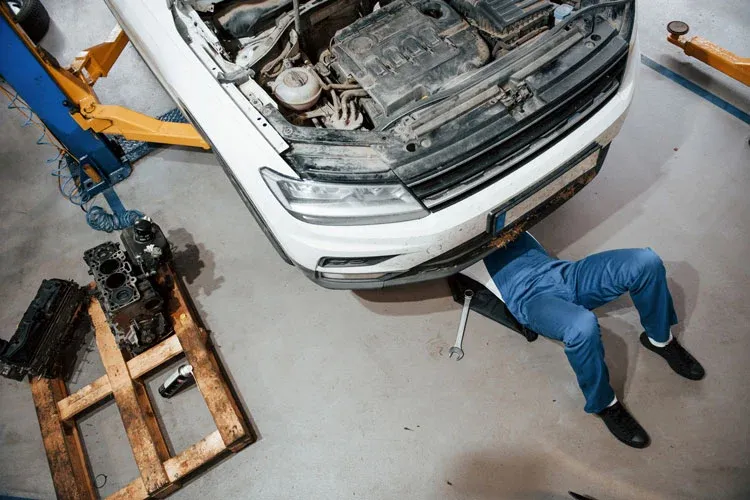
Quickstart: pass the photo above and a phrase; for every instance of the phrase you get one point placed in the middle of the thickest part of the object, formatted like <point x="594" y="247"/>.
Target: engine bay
<point x="354" y="65"/>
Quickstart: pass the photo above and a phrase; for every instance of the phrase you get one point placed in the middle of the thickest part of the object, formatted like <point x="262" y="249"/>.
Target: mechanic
<point x="554" y="298"/>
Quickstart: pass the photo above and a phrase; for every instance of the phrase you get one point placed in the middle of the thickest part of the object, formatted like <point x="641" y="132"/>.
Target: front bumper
<point x="544" y="197"/>
<point x="409" y="251"/>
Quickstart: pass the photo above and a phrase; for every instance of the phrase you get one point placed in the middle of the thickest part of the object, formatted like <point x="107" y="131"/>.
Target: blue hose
<point x="101" y="220"/>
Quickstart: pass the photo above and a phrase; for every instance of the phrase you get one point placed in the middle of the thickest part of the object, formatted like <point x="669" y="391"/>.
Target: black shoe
<point x="624" y="427"/>
<point x="678" y="358"/>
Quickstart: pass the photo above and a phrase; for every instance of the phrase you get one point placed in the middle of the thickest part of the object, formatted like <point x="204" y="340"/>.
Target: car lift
<point x="717" y="57"/>
<point x="63" y="98"/>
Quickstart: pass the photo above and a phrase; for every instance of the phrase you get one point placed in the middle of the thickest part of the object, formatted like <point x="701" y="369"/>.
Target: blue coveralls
<point x="555" y="297"/>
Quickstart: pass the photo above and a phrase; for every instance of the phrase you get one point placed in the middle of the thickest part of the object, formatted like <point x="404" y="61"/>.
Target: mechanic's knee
<point x="646" y="262"/>
<point x="583" y="329"/>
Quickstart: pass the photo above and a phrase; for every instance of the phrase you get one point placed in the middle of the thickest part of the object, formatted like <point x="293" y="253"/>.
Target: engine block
<point x="126" y="288"/>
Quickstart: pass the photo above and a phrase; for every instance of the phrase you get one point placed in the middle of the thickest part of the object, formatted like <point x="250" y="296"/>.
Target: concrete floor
<point x="352" y="394"/>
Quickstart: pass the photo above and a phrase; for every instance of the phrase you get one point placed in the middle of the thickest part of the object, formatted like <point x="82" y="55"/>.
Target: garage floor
<point x="353" y="395"/>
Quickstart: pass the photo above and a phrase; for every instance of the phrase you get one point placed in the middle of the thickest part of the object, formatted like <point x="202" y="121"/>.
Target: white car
<point x="382" y="143"/>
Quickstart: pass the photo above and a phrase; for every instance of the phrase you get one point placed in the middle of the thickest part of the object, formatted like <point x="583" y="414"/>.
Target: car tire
<point x="31" y="16"/>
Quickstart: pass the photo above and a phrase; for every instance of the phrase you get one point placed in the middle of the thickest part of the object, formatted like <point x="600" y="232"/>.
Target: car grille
<point x="521" y="145"/>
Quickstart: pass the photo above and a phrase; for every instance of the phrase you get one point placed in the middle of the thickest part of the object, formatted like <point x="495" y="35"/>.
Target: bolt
<point x="287" y="131"/>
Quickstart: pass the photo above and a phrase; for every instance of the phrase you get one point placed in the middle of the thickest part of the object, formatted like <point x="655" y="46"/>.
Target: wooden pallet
<point x="160" y="473"/>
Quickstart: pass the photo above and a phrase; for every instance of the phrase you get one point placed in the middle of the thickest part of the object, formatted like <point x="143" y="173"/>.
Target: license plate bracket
<point x="549" y="186"/>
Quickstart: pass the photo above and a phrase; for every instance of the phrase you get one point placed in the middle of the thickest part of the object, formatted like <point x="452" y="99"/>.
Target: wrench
<point x="456" y="349"/>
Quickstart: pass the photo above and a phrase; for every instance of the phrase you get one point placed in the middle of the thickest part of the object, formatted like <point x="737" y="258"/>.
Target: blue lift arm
<point x="100" y="164"/>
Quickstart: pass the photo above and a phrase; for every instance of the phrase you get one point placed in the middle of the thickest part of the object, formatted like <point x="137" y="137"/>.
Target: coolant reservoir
<point x="297" y="88"/>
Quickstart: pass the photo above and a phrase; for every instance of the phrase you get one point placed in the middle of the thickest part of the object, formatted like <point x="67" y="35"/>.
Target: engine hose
<point x="333" y="86"/>
<point x="336" y="102"/>
<point x="346" y="97"/>
<point x="268" y="68"/>
<point x="297" y="18"/>
<point x="315" y="113"/>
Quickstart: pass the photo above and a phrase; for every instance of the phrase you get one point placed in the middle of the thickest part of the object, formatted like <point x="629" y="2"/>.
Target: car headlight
<point x="343" y="204"/>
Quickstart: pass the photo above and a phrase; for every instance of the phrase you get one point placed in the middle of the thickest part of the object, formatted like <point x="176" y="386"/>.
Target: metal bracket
<point x="96" y="61"/>
<point x="117" y="120"/>
<point x="77" y="81"/>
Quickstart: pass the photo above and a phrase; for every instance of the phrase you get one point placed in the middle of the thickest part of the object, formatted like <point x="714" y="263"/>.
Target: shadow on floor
<point x="408" y="300"/>
<point x="704" y="77"/>
<point x="684" y="283"/>
<point x="196" y="264"/>
<point x="489" y="475"/>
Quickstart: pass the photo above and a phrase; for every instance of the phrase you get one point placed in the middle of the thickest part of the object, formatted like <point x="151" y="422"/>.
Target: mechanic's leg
<point x="578" y="328"/>
<point x="602" y="277"/>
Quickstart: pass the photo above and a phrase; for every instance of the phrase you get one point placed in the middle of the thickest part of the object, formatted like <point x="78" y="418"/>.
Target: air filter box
<point x="507" y="20"/>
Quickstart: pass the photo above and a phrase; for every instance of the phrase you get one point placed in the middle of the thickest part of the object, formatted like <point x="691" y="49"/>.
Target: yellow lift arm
<point x="718" y="57"/>
<point x="77" y="80"/>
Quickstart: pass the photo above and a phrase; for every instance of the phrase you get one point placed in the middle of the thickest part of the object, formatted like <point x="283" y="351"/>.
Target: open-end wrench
<point x="456" y="349"/>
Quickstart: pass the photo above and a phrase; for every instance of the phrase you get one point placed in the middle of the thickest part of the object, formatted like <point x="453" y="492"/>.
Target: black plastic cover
<point x="501" y="17"/>
<point x="407" y="50"/>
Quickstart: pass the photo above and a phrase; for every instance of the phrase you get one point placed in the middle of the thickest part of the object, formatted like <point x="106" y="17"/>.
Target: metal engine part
<point x="506" y="20"/>
<point x="406" y="51"/>
<point x="146" y="245"/>
<point x="49" y="335"/>
<point x="124" y="280"/>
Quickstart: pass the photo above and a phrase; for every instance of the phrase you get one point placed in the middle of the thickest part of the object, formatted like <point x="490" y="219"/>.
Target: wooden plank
<point x="178" y="467"/>
<point x="62" y="443"/>
<point x="212" y="384"/>
<point x="84" y="398"/>
<point x="209" y="379"/>
<point x="135" y="490"/>
<point x="100" y="388"/>
<point x="146" y="440"/>
<point x="195" y="456"/>
<point x="155" y="356"/>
